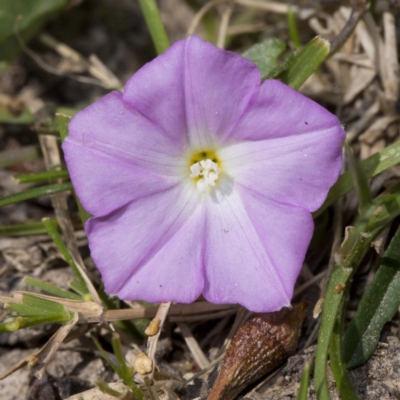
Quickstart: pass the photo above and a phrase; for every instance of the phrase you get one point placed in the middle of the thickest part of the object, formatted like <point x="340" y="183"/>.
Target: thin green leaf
<point x="33" y="310"/>
<point x="293" y="29"/>
<point x="79" y="287"/>
<point x="50" y="288"/>
<point x="360" y="181"/>
<point x="125" y="372"/>
<point x="41" y="176"/>
<point x="265" y="55"/>
<point x="380" y="213"/>
<point x="378" y="306"/>
<point x="105" y="388"/>
<point x="33" y="228"/>
<point x="26" y="322"/>
<point x="342" y="378"/>
<point x="105" y="355"/>
<point x="306" y="62"/>
<point x="305" y="382"/>
<point x="36" y="192"/>
<point x="371" y="166"/>
<point x="332" y="304"/>
<point x="52" y="229"/>
<point x="31" y="305"/>
<point x="155" y="25"/>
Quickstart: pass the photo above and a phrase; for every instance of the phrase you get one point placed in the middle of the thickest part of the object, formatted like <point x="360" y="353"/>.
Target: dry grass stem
<point x="97" y="394"/>
<point x="197" y="353"/>
<point x="274" y="7"/>
<point x="38" y="361"/>
<point x="223" y="26"/>
<point x="94" y="66"/>
<point x="152" y="341"/>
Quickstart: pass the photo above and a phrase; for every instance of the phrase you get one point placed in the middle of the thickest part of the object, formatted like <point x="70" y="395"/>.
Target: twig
<point x="201" y="307"/>
<point x="38" y="361"/>
<point x="359" y="8"/>
<point x="49" y="68"/>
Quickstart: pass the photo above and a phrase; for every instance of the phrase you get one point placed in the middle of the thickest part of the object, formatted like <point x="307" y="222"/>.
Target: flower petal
<point x="238" y="267"/>
<point x="285" y="231"/>
<point x="157" y="91"/>
<point x="276" y="110"/>
<point x="152" y="248"/>
<point x="218" y="86"/>
<point x="104" y="183"/>
<point x="114" y="128"/>
<point x="297" y="170"/>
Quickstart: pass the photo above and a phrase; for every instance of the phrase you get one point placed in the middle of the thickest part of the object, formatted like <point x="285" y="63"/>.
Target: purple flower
<point x="201" y="180"/>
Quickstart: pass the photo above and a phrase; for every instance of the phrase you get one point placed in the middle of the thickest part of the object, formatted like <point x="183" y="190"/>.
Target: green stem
<point x="35" y="192"/>
<point x="50" y="288"/>
<point x="305" y="382"/>
<point x="41" y="176"/>
<point x="52" y="229"/>
<point x="371" y="166"/>
<point x="155" y="25"/>
<point x="34" y="228"/>
<point x="379" y="214"/>
<point x="360" y="180"/>
<point x="342" y="377"/>
<point x="332" y="305"/>
<point x="293" y="29"/>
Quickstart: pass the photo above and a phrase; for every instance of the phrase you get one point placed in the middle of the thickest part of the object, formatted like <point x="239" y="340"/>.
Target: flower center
<point x="205" y="170"/>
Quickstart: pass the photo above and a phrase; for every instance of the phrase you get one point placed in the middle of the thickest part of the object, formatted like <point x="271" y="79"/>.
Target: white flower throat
<point x="207" y="172"/>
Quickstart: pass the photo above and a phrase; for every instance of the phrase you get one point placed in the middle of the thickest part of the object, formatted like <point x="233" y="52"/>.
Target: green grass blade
<point x="105" y="388"/>
<point x="293" y="29"/>
<point x="371" y="166"/>
<point x="125" y="372"/>
<point x="50" y="288"/>
<point x="360" y="181"/>
<point x="306" y="62"/>
<point x="342" y="377"/>
<point x="332" y="305"/>
<point x="41" y="176"/>
<point x="104" y="354"/>
<point x="33" y="228"/>
<point x="35" y="192"/>
<point x="378" y="306"/>
<point x="380" y="213"/>
<point x="26" y="322"/>
<point x="37" y="310"/>
<point x="305" y="382"/>
<point x="52" y="229"/>
<point x="155" y="25"/>
<point x="79" y="287"/>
